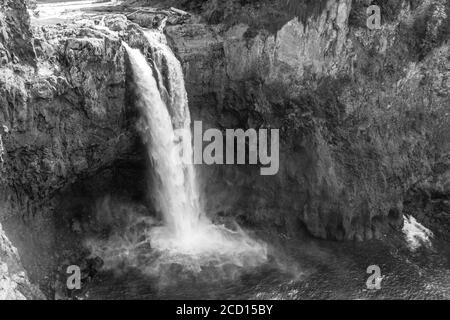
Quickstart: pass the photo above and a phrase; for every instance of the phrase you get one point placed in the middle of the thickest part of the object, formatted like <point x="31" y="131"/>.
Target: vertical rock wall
<point x="15" y="35"/>
<point x="356" y="127"/>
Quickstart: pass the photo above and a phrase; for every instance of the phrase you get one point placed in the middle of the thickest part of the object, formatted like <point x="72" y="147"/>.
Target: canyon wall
<point x="14" y="46"/>
<point x="363" y="114"/>
<point x="363" y="117"/>
<point x="15" y="33"/>
<point x="64" y="118"/>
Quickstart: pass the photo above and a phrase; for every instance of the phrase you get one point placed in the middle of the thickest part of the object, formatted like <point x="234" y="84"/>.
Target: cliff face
<point x="362" y="113"/>
<point x="363" y="117"/>
<point x="15" y="34"/>
<point x="14" y="283"/>
<point x="63" y="118"/>
<point x="14" y="46"/>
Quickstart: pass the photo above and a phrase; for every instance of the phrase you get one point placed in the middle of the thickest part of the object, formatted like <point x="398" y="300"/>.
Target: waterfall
<point x="165" y="128"/>
<point x="175" y="189"/>
<point x="173" y="84"/>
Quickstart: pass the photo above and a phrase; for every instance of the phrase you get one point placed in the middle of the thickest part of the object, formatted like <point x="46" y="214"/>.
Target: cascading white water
<point x="176" y="102"/>
<point x="165" y="128"/>
<point x="167" y="64"/>
<point x="174" y="191"/>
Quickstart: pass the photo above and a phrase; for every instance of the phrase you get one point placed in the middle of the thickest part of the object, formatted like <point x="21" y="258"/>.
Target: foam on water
<point x="415" y="233"/>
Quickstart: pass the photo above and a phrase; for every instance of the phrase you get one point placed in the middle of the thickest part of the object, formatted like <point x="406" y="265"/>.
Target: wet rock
<point x="116" y="22"/>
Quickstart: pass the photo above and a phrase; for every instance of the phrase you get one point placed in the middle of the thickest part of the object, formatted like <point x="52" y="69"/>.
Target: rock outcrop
<point x="15" y="34"/>
<point x="14" y="283"/>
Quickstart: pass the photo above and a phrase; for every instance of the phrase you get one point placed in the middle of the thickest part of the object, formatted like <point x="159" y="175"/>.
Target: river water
<point x="296" y="269"/>
<point x="60" y="11"/>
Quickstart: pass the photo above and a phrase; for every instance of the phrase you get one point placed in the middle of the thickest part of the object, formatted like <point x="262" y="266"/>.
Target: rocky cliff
<point x="15" y="34"/>
<point x="364" y="117"/>
<point x="64" y="118"/>
<point x="363" y="113"/>
<point x="14" y="282"/>
<point x="15" y="47"/>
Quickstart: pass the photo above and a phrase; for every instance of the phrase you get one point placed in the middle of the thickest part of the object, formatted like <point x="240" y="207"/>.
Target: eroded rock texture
<point x="14" y="283"/>
<point x="364" y="114"/>
<point x="15" y="34"/>
<point x="364" y="117"/>
<point x="64" y="118"/>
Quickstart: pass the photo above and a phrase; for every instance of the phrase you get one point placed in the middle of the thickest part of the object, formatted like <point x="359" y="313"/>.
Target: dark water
<point x="297" y="269"/>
